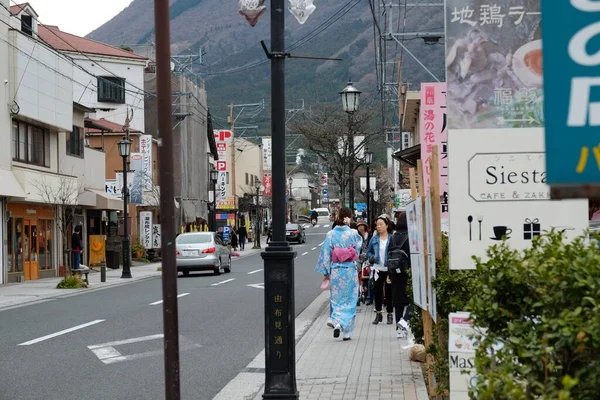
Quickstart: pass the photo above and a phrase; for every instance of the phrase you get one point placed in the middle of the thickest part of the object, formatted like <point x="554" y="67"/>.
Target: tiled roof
<point x="14" y="10"/>
<point x="108" y="126"/>
<point x="64" y="41"/>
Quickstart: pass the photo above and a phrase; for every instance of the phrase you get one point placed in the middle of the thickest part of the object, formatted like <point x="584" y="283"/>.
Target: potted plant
<point x="137" y="251"/>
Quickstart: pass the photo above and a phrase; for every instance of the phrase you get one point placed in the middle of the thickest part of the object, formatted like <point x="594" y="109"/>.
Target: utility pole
<point x="167" y="194"/>
<point x="231" y="121"/>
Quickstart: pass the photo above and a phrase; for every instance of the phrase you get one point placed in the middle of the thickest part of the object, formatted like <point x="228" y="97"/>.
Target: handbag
<point x="326" y="284"/>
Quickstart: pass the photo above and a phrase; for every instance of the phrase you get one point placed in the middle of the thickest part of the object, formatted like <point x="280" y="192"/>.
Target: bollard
<point x="103" y="273"/>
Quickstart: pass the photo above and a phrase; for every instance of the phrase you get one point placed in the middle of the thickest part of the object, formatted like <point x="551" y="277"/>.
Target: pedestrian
<point x="234" y="240"/>
<point x="364" y="215"/>
<point x="270" y="235"/>
<point x="76" y="247"/>
<point x="365" y="272"/>
<point x="378" y="258"/>
<point x="242" y="235"/>
<point x="398" y="267"/>
<point x="338" y="263"/>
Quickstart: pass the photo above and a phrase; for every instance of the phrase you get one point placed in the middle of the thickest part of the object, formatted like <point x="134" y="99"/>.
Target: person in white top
<point x="377" y="254"/>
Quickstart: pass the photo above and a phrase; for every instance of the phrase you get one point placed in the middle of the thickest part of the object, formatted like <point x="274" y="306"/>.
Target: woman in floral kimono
<point x="338" y="263"/>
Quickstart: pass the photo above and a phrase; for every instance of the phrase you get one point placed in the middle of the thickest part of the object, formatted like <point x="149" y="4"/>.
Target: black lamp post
<point x="257" y="185"/>
<point x="214" y="177"/>
<point x="280" y="345"/>
<point x="368" y="160"/>
<point x="290" y="181"/>
<point x="124" y="151"/>
<point x="350" y="97"/>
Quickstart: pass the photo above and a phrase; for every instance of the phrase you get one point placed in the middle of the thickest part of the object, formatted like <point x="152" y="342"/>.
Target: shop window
<point x="44" y="240"/>
<point x="75" y="143"/>
<point x="18" y="245"/>
<point x="31" y="144"/>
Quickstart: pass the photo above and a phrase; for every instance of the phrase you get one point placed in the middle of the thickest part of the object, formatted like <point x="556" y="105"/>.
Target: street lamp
<point x="290" y="181"/>
<point x="368" y="160"/>
<point x="257" y="185"/>
<point x="214" y="177"/>
<point x="350" y="98"/>
<point x="124" y="151"/>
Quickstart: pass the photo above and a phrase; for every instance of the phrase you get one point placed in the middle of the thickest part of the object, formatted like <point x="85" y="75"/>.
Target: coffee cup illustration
<point x="500" y="232"/>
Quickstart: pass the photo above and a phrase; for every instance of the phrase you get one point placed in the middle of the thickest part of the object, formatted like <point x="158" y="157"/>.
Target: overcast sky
<point x="78" y="17"/>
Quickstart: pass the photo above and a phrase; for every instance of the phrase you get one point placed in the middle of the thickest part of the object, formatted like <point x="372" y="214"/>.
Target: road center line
<point x="321" y="244"/>
<point x="160" y="301"/>
<point x="53" y="335"/>
<point x="314" y="248"/>
<point x="253" y="272"/>
<point x="305" y="253"/>
<point x="225" y="281"/>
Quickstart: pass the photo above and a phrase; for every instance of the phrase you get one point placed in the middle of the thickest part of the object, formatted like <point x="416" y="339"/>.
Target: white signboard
<point x="267" y="150"/>
<point x="118" y="186"/>
<point x="414" y="217"/>
<point x="222" y="150"/>
<point x="111" y="187"/>
<point x="146" y="151"/>
<point x="461" y="355"/>
<point x="431" y="296"/>
<point x="507" y="195"/>
<point x="402" y="198"/>
<point x="222" y="187"/>
<point x="146" y="229"/>
<point x="156" y="236"/>
<point x="372" y="183"/>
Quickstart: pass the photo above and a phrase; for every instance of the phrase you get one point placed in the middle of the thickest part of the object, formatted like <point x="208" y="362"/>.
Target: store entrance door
<point x="31" y="266"/>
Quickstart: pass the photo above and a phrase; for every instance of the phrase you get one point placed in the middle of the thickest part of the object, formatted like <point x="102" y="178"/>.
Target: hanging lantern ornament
<point x="302" y="9"/>
<point x="252" y="10"/>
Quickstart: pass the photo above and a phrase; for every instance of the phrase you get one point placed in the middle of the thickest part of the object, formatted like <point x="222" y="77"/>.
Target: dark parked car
<point x="295" y="233"/>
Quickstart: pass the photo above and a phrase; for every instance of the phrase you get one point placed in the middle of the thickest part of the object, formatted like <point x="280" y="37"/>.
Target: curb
<point x="249" y="383"/>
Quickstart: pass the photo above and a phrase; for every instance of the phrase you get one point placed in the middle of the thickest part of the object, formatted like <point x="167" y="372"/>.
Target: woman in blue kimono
<point x="338" y="262"/>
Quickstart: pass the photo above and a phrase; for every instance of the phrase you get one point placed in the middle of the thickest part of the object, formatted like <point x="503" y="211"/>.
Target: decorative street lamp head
<point x="214" y="175"/>
<point x="290" y="181"/>
<point x="257" y="184"/>
<point x="368" y="156"/>
<point x="350" y="96"/>
<point x="124" y="147"/>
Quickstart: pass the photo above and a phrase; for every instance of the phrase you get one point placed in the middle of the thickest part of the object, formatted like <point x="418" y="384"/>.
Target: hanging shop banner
<point x="146" y="151"/>
<point x="222" y="150"/>
<point x="222" y="190"/>
<point x="97" y="249"/>
<point x="139" y="177"/>
<point x="434" y="131"/>
<point x="268" y="183"/>
<point x="494" y="63"/>
<point x="267" y="153"/>
<point x="571" y="64"/>
<point x="156" y="236"/>
<point x="431" y="295"/>
<point x="118" y="186"/>
<point x="507" y="197"/>
<point x="146" y="229"/>
<point x="414" y="217"/>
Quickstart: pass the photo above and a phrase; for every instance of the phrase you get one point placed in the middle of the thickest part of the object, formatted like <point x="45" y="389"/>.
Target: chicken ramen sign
<point x="572" y="101"/>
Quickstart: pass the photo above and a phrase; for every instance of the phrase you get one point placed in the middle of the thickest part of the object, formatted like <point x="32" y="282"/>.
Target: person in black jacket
<point x="398" y="267"/>
<point x="76" y="247"/>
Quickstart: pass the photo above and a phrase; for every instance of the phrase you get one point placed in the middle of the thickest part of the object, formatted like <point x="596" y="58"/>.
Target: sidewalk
<point x="373" y="365"/>
<point x="18" y="294"/>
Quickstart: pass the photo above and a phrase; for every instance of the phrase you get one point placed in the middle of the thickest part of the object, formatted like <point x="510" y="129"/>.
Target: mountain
<point x="236" y="69"/>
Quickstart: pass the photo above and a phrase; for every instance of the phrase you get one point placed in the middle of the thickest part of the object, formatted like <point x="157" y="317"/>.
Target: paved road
<point x="221" y="327"/>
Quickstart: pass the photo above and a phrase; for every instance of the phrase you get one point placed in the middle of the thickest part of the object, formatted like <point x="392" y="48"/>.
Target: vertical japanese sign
<point x="222" y="150"/>
<point x="572" y="109"/>
<point x="493" y="61"/>
<point x="146" y="151"/>
<point x="156" y="236"/>
<point x="268" y="183"/>
<point x="433" y="125"/>
<point x="267" y="153"/>
<point x="137" y="183"/>
<point x="279" y="327"/>
<point x="146" y="229"/>
<point x="223" y="140"/>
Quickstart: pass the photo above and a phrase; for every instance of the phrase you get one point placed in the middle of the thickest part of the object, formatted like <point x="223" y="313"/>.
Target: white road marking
<point x="253" y="272"/>
<point x="107" y="353"/>
<point x="160" y="301"/>
<point x="314" y="248"/>
<point x="305" y="226"/>
<point x="257" y="285"/>
<point x="316" y="226"/>
<point x="53" y="335"/>
<point x="305" y="253"/>
<point x="225" y="281"/>
<point x="321" y="244"/>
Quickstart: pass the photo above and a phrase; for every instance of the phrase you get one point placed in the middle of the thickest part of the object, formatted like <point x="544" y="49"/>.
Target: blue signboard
<point x="571" y="33"/>
<point x="360" y="207"/>
<point x="226" y="231"/>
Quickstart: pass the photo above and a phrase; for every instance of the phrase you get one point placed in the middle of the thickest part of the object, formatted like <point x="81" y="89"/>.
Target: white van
<point x="323" y="215"/>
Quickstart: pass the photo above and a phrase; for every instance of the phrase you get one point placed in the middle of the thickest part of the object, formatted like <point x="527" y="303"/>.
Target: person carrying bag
<point x="398" y="267"/>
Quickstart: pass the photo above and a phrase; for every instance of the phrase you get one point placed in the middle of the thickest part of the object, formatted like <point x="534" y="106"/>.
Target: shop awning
<point x="409" y="156"/>
<point x="102" y="200"/>
<point x="10" y="186"/>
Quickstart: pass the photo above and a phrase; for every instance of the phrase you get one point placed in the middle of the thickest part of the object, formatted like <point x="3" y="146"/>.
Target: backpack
<point x="398" y="260"/>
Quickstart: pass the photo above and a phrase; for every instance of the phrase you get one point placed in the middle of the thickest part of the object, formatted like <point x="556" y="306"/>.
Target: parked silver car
<point x="202" y="251"/>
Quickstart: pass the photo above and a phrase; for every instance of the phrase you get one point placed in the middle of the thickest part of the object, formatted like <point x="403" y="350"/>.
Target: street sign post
<point x="571" y="97"/>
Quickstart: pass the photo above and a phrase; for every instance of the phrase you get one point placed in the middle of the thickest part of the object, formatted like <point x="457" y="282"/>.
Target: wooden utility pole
<point x="233" y="155"/>
<point x="400" y="102"/>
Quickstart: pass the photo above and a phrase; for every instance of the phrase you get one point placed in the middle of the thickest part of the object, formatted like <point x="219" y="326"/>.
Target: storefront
<point x="30" y="242"/>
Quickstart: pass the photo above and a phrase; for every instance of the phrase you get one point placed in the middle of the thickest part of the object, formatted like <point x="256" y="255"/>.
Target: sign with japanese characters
<point x="146" y="229"/>
<point x="461" y="355"/>
<point x="494" y="63"/>
<point x="267" y="153"/>
<point x="136" y="165"/>
<point x="222" y="191"/>
<point x="118" y="185"/>
<point x="156" y="236"/>
<point x="268" y="183"/>
<point x="572" y="66"/>
<point x="414" y="218"/>
<point x="434" y="131"/>
<point x="222" y="150"/>
<point x="507" y="196"/>
<point x="278" y="353"/>
<point x="146" y="151"/>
